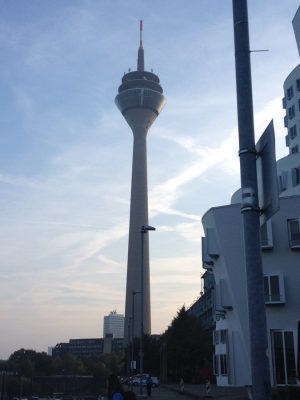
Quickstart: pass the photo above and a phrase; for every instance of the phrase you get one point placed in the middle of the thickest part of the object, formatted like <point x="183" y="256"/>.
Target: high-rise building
<point x="140" y="100"/>
<point x="113" y="324"/>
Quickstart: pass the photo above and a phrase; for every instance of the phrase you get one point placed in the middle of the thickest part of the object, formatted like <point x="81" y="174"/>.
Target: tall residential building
<point x="223" y="255"/>
<point x="113" y="324"/>
<point x="140" y="100"/>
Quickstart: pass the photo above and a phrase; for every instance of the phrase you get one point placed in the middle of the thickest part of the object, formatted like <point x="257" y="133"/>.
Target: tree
<point x="189" y="347"/>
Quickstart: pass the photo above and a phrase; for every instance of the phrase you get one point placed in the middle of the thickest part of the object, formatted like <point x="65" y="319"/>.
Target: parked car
<point x="136" y="380"/>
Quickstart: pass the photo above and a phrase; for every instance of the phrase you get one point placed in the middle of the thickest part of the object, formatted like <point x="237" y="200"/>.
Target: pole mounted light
<point x="132" y="332"/>
<point x="144" y="229"/>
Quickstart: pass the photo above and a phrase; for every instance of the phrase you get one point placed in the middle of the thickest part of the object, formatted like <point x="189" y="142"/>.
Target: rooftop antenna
<point x="140" y="62"/>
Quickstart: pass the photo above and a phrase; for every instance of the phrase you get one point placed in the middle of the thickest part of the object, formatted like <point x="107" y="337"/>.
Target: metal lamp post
<point x="144" y="230"/>
<point x="132" y="331"/>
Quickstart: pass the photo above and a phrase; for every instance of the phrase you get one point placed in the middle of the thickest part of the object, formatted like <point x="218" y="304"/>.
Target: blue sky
<point x="65" y="151"/>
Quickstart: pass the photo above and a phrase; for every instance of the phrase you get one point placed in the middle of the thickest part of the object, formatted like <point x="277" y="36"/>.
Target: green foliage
<point x="189" y="347"/>
<point x="28" y="362"/>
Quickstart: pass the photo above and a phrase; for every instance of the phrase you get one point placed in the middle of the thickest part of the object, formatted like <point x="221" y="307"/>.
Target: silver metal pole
<point x="250" y="210"/>
<point x="143" y="231"/>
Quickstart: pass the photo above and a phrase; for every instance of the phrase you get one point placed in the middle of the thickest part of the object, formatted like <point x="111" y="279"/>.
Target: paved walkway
<point x="172" y="392"/>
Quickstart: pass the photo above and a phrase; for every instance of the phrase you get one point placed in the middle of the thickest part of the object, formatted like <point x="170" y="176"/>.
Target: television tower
<point x="140" y="100"/>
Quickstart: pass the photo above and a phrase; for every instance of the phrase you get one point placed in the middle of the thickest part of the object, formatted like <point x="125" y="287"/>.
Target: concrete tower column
<point x="140" y="100"/>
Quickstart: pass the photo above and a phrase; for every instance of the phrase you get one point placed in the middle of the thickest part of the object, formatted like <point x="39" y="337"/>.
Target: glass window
<point x="294" y="232"/>
<point x="290" y="357"/>
<point x="298" y="84"/>
<point x="274" y="289"/>
<point x="291" y="112"/>
<point x="279" y="358"/>
<point x="293" y="131"/>
<point x="290" y="92"/>
<point x="216" y="365"/>
<point x="294" y="150"/>
<point x="223" y="364"/>
<point x="223" y="335"/>
<point x="296" y="176"/>
<point x="216" y="337"/>
<point x="284" y="357"/>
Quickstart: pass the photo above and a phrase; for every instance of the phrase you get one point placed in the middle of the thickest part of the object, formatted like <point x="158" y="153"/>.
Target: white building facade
<point x="223" y="255"/>
<point x="113" y="324"/>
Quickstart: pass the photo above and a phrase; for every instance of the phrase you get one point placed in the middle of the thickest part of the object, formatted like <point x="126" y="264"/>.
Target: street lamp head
<point x="146" y="228"/>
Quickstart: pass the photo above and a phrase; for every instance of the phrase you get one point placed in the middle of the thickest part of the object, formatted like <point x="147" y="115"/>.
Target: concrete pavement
<point x="172" y="392"/>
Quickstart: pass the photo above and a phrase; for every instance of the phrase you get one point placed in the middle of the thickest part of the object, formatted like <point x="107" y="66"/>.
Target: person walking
<point x="115" y="390"/>
<point x="181" y="385"/>
<point x="149" y="385"/>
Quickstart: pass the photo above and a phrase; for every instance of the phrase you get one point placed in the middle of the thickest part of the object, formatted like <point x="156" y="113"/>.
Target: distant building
<point x="79" y="348"/>
<point x="87" y="348"/>
<point x="204" y="307"/>
<point x="223" y="255"/>
<point x="113" y="325"/>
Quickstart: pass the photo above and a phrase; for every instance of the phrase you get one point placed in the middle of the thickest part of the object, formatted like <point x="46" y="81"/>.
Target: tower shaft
<point x="138" y="217"/>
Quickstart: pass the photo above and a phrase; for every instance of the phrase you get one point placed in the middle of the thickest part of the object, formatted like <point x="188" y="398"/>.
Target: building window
<point x="216" y="337"/>
<point x="290" y="92"/>
<point x="283" y="181"/>
<point x="299" y="104"/>
<point x="291" y="112"/>
<point x="298" y="84"/>
<point x="284" y="357"/>
<point x="293" y="131"/>
<point x="266" y="237"/>
<point x="223" y="364"/>
<point x="274" y="289"/>
<point x="216" y="365"/>
<point x="294" y="233"/>
<point x="294" y="150"/>
<point x="285" y="121"/>
<point x="296" y="176"/>
<point x="223" y="336"/>
<point x="284" y="102"/>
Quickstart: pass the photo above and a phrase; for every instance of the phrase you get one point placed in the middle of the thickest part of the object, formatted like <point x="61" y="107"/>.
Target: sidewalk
<point x="217" y="392"/>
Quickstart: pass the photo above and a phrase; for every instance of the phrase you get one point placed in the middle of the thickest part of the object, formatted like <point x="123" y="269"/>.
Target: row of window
<point x="283" y="356"/>
<point x="293" y="225"/>
<point x="283" y="178"/>
<point x="291" y="112"/>
<point x="290" y="90"/>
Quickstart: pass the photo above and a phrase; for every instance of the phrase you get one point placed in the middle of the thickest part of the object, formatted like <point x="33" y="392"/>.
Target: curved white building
<point x="223" y="255"/>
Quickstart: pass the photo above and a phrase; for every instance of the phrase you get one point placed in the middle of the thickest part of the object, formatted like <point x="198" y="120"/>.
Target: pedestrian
<point x="115" y="390"/>
<point x="181" y="384"/>
<point x="149" y="385"/>
<point x="208" y="388"/>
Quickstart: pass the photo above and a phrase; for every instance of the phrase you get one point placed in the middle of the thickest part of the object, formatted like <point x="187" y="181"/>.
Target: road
<point x="163" y="393"/>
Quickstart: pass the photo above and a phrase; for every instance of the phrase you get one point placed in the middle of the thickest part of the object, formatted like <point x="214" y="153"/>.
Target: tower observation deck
<point x="140" y="99"/>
